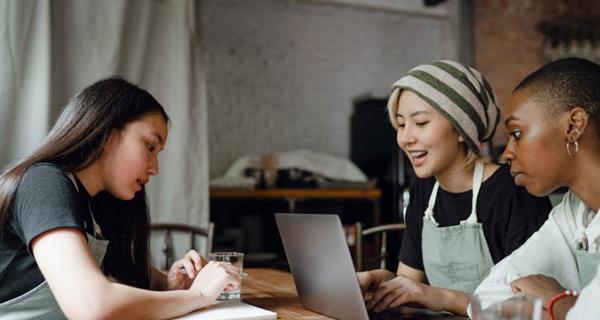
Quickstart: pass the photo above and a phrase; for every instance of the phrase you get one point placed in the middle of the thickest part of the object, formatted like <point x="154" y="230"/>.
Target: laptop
<point x="320" y="261"/>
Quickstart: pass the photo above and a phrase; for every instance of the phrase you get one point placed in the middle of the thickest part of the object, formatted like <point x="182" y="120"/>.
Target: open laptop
<point x="320" y="261"/>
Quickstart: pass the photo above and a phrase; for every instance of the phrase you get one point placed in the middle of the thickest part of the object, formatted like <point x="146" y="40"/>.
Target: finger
<point x="400" y="300"/>
<point x="189" y="268"/>
<point x="195" y="257"/>
<point x="375" y="299"/>
<point x="203" y="262"/>
<point x="386" y="301"/>
<point x="381" y="292"/>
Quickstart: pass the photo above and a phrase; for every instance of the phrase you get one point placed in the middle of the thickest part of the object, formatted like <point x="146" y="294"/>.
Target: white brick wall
<point x="282" y="74"/>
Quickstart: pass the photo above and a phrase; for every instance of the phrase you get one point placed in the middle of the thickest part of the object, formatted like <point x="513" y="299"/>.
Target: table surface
<point x="275" y="290"/>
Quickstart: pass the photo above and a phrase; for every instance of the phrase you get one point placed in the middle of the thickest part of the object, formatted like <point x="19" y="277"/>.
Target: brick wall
<point x="508" y="45"/>
<point x="282" y="74"/>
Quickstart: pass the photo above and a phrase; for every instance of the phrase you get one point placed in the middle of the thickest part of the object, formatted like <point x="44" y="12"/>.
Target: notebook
<point x="230" y="310"/>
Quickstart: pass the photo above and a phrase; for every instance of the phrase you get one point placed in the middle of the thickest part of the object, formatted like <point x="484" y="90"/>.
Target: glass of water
<point x="515" y="308"/>
<point x="237" y="260"/>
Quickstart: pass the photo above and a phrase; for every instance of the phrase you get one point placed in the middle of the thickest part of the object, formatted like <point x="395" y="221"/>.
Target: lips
<point x="142" y="182"/>
<point x="417" y="157"/>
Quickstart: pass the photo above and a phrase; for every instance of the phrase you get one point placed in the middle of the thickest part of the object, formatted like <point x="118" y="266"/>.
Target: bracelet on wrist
<point x="552" y="301"/>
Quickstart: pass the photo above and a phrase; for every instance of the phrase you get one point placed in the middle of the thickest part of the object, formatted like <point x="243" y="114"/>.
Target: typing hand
<point x="366" y="281"/>
<point x="216" y="277"/>
<point x="182" y="272"/>
<point x="396" y="292"/>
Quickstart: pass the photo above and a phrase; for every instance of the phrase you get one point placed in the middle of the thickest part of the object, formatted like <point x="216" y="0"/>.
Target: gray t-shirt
<point x="45" y="199"/>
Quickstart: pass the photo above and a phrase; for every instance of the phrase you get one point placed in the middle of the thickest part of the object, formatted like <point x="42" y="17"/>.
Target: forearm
<point x="441" y="299"/>
<point x="121" y="301"/>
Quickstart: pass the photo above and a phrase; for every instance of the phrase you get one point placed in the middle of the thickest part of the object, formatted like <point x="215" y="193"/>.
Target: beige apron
<point x="456" y="257"/>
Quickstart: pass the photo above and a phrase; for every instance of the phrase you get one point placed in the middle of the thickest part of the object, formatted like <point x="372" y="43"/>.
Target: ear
<point x="578" y="120"/>
<point x="460" y="138"/>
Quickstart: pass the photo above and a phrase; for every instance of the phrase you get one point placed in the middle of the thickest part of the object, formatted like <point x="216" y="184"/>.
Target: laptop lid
<point x="320" y="261"/>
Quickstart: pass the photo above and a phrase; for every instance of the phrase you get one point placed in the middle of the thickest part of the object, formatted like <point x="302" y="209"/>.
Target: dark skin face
<point x="537" y="144"/>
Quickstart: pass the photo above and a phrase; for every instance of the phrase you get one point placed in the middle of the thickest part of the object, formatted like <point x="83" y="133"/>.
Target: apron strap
<point x="477" y="179"/>
<point x="97" y="230"/>
<point x="431" y="203"/>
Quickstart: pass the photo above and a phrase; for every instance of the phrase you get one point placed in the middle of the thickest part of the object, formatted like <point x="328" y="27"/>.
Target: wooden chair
<point x="193" y="231"/>
<point x="381" y="230"/>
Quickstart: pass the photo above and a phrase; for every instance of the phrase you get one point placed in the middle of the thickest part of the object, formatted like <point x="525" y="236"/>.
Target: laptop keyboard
<point x="384" y="315"/>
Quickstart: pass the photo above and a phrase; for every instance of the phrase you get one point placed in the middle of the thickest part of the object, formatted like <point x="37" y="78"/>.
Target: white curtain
<point x="53" y="49"/>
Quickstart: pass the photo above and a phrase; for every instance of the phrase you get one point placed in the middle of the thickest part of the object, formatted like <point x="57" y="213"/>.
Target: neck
<point x="456" y="178"/>
<point x="585" y="181"/>
<point x="89" y="178"/>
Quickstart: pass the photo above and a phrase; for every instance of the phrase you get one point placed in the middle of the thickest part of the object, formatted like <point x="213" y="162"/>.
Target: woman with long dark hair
<point x="74" y="220"/>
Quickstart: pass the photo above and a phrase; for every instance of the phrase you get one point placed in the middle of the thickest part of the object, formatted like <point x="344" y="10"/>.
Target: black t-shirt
<point x="46" y="199"/>
<point x="508" y="213"/>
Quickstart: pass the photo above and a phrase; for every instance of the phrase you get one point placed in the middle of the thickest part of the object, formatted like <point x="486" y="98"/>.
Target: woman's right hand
<point x="216" y="277"/>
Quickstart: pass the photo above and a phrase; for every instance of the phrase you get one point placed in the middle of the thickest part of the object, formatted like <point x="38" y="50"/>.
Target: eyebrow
<point x="509" y="119"/>
<point x="160" y="139"/>
<point x="416" y="113"/>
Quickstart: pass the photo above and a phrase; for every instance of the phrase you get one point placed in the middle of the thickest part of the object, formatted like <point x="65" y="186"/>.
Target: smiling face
<point x="429" y="140"/>
<point x="536" y="144"/>
<point x="130" y="155"/>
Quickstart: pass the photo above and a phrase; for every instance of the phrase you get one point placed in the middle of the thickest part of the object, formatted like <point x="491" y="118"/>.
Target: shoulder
<point x="44" y="185"/>
<point x="45" y="176"/>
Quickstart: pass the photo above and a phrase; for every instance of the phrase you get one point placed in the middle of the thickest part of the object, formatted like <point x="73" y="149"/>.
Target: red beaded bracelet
<point x="566" y="293"/>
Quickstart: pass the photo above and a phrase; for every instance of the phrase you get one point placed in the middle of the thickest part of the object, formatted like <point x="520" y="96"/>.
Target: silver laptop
<point x="320" y="261"/>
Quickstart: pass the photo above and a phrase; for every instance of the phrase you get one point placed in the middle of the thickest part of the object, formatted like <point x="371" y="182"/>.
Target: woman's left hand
<point x="192" y="263"/>
<point x="537" y="285"/>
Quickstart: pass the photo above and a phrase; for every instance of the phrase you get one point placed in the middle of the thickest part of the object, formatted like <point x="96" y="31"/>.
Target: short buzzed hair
<point x="565" y="84"/>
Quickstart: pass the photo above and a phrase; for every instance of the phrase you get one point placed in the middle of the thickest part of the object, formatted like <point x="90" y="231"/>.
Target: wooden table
<point x="275" y="290"/>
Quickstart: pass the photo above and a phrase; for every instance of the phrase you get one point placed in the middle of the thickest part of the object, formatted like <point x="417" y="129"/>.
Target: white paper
<point x="230" y="310"/>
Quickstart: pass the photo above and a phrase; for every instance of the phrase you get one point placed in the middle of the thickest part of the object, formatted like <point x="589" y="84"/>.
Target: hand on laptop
<point x="399" y="291"/>
<point x="182" y="272"/>
<point x="216" y="277"/>
<point x="370" y="280"/>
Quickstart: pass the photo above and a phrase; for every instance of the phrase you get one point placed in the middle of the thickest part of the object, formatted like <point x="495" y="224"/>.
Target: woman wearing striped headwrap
<point x="465" y="213"/>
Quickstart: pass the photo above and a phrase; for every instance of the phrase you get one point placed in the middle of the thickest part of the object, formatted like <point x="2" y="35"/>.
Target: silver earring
<point x="569" y="151"/>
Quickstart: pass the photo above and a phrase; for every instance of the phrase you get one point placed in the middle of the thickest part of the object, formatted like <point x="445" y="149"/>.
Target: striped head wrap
<point x="459" y="93"/>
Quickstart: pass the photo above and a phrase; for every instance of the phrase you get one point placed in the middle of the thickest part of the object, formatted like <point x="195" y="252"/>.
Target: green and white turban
<point x="459" y="93"/>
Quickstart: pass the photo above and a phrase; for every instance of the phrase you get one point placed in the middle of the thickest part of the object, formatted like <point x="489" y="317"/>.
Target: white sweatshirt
<point x="550" y="251"/>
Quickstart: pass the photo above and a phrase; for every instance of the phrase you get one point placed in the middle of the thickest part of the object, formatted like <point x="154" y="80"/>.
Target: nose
<point x="405" y="136"/>
<point x="153" y="169"/>
<point x="509" y="153"/>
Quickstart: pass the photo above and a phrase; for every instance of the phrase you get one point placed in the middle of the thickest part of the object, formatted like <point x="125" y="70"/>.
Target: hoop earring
<point x="569" y="151"/>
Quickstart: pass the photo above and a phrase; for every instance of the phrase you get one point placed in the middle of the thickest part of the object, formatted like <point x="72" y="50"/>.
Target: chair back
<point x="169" y="228"/>
<point x="380" y="232"/>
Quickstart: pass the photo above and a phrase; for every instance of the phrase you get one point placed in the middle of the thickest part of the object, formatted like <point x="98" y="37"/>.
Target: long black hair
<point x="75" y="142"/>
